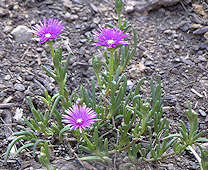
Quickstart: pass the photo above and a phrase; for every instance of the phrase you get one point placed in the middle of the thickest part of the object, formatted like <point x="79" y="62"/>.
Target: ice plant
<point x="79" y="117"/>
<point x="110" y="37"/>
<point x="48" y="30"/>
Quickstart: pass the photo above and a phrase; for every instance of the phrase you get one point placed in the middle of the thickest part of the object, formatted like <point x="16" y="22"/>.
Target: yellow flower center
<point x="111" y="41"/>
<point x="48" y="35"/>
<point x="79" y="120"/>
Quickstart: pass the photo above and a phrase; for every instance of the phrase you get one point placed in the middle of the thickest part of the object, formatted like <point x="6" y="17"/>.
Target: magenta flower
<point x="79" y="117"/>
<point x="110" y="37"/>
<point x="48" y="30"/>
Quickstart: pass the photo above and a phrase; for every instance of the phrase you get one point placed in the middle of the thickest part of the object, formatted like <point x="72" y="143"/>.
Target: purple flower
<point x="79" y="117"/>
<point x="48" y="30"/>
<point x="110" y="37"/>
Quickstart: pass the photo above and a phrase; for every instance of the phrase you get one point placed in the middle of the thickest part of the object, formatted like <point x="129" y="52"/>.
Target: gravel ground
<point x="172" y="45"/>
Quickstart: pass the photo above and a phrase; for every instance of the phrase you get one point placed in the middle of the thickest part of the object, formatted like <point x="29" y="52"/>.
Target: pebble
<point x="130" y="84"/>
<point x="148" y="63"/>
<point x="7" y="29"/>
<point x="201" y="30"/>
<point x="144" y="5"/>
<point x="96" y="20"/>
<point x="203" y="46"/>
<point x="203" y="113"/>
<point x="94" y="8"/>
<point x="170" y="167"/>
<point x="176" y="47"/>
<point x="67" y="3"/>
<point x="177" y="60"/>
<point x="206" y="120"/>
<point x="188" y="62"/>
<point x="169" y="31"/>
<point x="67" y="16"/>
<point x="19" y="87"/>
<point x="130" y="7"/>
<point x="22" y="33"/>
<point x="3" y="12"/>
<point x="184" y="26"/>
<point x="28" y="78"/>
<point x="72" y="17"/>
<point x="202" y="58"/>
<point x="7" y="77"/>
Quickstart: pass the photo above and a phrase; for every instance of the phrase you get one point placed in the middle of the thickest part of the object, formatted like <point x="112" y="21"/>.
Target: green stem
<point x="99" y="80"/>
<point x="111" y="65"/>
<point x="50" y="43"/>
<point x="162" y="157"/>
<point x="196" y="155"/>
<point x="59" y="80"/>
<point x="119" y="20"/>
<point x="126" y="147"/>
<point x="47" y="167"/>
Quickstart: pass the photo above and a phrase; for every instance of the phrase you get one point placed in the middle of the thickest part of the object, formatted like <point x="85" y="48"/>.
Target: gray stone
<point x="22" y="33"/>
<point x="177" y="47"/>
<point x="130" y="7"/>
<point x="96" y="20"/>
<point x="7" y="29"/>
<point x="67" y="3"/>
<point x="70" y="17"/>
<point x="3" y="12"/>
<point x="169" y="31"/>
<point x="202" y="58"/>
<point x="94" y="8"/>
<point x="143" y="5"/>
<point x="130" y="84"/>
<point x="201" y="30"/>
<point x="148" y="63"/>
<point x="7" y="77"/>
<point x="203" y="113"/>
<point x="19" y="87"/>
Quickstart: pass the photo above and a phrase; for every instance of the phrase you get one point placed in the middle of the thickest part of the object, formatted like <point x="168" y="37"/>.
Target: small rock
<point x="177" y="60"/>
<point x="206" y="120"/>
<point x="171" y="167"/>
<point x="71" y="17"/>
<point x="96" y="20"/>
<point x="3" y="12"/>
<point x="169" y="31"/>
<point x="19" y="87"/>
<point x="18" y="95"/>
<point x="94" y="8"/>
<point x="201" y="30"/>
<point x="202" y="58"/>
<point x="30" y="3"/>
<point x="144" y="5"/>
<point x="203" y="46"/>
<point x="130" y="6"/>
<point x="130" y="84"/>
<point x="203" y="113"/>
<point x="185" y="27"/>
<point x="177" y="47"/>
<point x="67" y="3"/>
<point x="148" y="63"/>
<point x="67" y="16"/>
<point x="188" y="62"/>
<point x="196" y="26"/>
<point x="7" y="77"/>
<point x="18" y="114"/>
<point x="83" y="40"/>
<point x="7" y="29"/>
<point x="29" y="78"/>
<point x="22" y="33"/>
<point x="206" y="35"/>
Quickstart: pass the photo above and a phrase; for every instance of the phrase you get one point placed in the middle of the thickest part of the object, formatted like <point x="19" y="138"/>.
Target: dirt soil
<point x="167" y="48"/>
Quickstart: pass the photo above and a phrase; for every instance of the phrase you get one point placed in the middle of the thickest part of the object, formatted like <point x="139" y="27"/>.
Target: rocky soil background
<point x="173" y="44"/>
